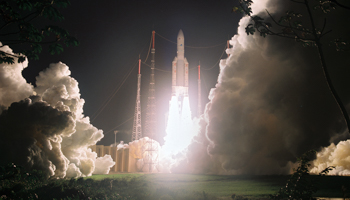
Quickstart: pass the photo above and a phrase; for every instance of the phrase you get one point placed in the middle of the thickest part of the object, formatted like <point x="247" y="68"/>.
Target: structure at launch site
<point x="147" y="157"/>
<point x="137" y="128"/>
<point x="124" y="161"/>
<point x="150" y="125"/>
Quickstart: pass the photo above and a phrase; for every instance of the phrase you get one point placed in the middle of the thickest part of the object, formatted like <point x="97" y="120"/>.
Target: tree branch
<point x="325" y="33"/>
<point x="340" y="5"/>
<point x="15" y="42"/>
<point x="10" y="55"/>
<point x="6" y="34"/>
<point x="324" y="25"/>
<point x="284" y="26"/>
<point x="325" y="69"/>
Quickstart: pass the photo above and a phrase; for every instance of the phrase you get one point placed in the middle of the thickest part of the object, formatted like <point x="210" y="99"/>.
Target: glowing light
<point x="179" y="127"/>
<point x="171" y="138"/>
<point x="186" y="125"/>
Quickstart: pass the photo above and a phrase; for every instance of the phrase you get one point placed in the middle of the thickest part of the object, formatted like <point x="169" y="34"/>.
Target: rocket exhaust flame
<point x="179" y="128"/>
<point x="172" y="139"/>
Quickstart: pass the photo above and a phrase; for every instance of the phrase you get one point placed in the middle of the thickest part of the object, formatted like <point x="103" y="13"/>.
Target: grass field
<point x="16" y="183"/>
<point x="223" y="187"/>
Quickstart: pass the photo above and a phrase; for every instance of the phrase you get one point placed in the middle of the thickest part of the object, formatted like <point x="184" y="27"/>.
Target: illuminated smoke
<point x="47" y="131"/>
<point x="13" y="87"/>
<point x="334" y="155"/>
<point x="146" y="151"/>
<point x="271" y="104"/>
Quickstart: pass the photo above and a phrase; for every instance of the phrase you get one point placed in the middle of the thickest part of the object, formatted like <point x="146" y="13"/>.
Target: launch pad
<point x="144" y="153"/>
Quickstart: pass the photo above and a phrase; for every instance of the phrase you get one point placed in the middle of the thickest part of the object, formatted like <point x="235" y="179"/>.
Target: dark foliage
<point x="25" y="23"/>
<point x="17" y="183"/>
<point x="301" y="184"/>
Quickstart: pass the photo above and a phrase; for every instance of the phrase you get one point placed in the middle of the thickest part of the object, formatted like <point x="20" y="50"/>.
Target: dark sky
<point x="113" y="34"/>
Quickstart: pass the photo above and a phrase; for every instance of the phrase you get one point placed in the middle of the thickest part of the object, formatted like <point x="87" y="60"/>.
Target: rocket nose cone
<point x="181" y="34"/>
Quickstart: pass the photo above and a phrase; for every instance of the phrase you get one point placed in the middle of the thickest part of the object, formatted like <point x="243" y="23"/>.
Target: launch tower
<point x="151" y="160"/>
<point x="199" y="108"/>
<point x="151" y="103"/>
<point x="136" y="130"/>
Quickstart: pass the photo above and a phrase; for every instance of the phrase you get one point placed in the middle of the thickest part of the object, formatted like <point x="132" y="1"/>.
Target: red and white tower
<point x="151" y="159"/>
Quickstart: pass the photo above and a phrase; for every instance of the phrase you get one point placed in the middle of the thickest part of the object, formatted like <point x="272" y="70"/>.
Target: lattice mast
<point x="151" y="103"/>
<point x="152" y="159"/>
<point x="137" y="128"/>
<point x="199" y="108"/>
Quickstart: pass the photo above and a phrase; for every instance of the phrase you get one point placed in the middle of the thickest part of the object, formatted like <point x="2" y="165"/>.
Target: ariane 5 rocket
<point x="180" y="70"/>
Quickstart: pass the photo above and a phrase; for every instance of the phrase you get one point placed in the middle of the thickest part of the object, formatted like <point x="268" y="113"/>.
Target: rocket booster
<point x="180" y="69"/>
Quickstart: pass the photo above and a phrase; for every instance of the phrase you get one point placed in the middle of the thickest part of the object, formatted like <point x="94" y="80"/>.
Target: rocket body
<point x="180" y="69"/>
<point x="179" y="122"/>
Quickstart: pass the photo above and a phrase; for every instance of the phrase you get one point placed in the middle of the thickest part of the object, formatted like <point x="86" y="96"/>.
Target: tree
<point x="328" y="5"/>
<point x="291" y="26"/>
<point x="22" y="22"/>
<point x="301" y="185"/>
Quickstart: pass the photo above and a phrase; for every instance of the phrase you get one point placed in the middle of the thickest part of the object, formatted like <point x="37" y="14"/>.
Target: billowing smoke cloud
<point x="13" y="87"/>
<point x="46" y="129"/>
<point x="336" y="156"/>
<point x="271" y="104"/>
<point x="31" y="134"/>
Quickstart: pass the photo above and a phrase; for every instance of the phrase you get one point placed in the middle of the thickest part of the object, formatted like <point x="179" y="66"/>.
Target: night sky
<point x="112" y="35"/>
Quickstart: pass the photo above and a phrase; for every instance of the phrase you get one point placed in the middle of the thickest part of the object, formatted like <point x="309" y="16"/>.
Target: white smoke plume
<point x="46" y="129"/>
<point x="334" y="156"/>
<point x="13" y="87"/>
<point x="271" y="104"/>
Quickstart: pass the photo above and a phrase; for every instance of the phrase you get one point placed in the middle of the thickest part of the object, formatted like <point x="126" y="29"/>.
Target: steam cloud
<point x="271" y="104"/>
<point x="44" y="127"/>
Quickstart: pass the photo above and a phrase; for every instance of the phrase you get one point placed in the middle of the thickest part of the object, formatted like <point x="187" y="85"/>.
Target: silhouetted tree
<point x="24" y="23"/>
<point x="291" y="26"/>
<point x="301" y="185"/>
